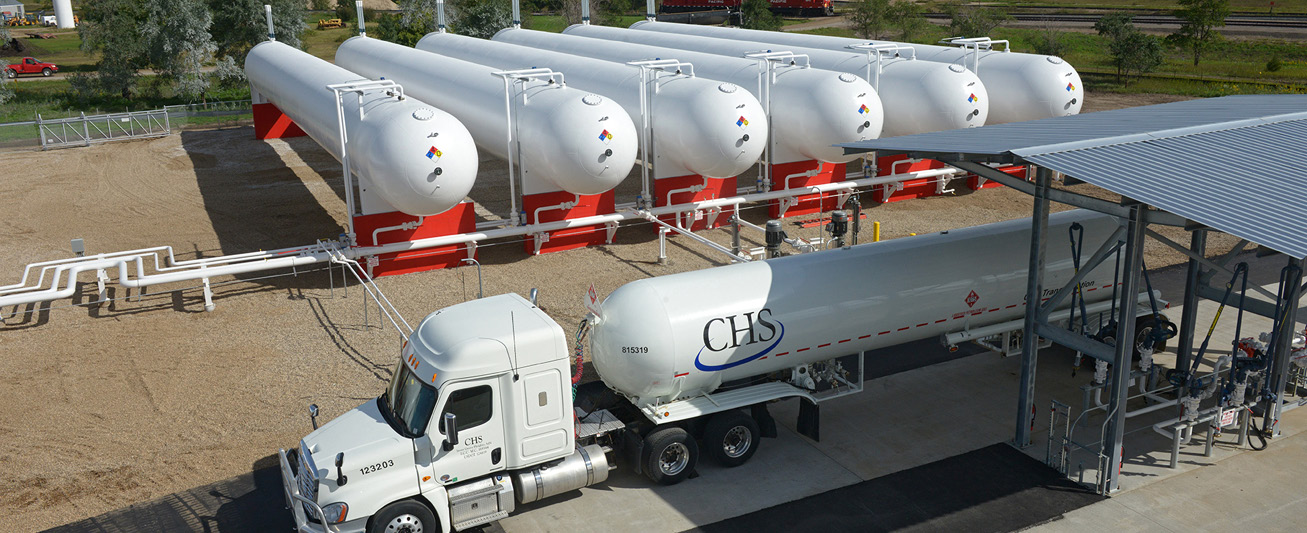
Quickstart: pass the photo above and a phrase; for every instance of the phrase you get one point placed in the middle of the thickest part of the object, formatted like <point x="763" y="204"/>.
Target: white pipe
<point x="1193" y="419"/>
<point x="649" y="12"/>
<point x="585" y="12"/>
<point x="317" y="253"/>
<point x="517" y="14"/>
<point x="535" y="217"/>
<point x="440" y="16"/>
<point x="809" y="173"/>
<point x="654" y="218"/>
<point x="413" y="224"/>
<point x="272" y="33"/>
<point x="358" y="6"/>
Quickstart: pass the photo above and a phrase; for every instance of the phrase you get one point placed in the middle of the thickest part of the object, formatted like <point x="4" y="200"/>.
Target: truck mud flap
<point x="766" y="424"/>
<point x="809" y="423"/>
<point x="633" y="450"/>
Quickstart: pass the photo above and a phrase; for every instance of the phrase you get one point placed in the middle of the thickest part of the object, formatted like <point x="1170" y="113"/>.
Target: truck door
<point x="477" y="406"/>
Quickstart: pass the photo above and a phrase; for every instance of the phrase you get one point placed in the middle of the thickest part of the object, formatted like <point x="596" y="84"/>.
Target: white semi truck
<point x="480" y="415"/>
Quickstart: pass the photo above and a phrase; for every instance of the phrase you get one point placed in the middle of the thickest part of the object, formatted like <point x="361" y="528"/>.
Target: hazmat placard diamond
<point x="433" y="153"/>
<point x="742" y="122"/>
<point x="972" y="299"/>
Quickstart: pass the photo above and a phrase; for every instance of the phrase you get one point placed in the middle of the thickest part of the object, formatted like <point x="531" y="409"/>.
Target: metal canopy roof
<point x="1237" y="164"/>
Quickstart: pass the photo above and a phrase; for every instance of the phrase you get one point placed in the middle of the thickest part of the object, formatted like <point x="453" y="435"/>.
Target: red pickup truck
<point x="30" y="65"/>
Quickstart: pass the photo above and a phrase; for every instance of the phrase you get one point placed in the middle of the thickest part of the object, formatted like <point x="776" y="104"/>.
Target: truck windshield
<point x="409" y="402"/>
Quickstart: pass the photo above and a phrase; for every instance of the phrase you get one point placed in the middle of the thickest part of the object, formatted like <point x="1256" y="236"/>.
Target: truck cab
<point x="481" y="391"/>
<point x="30" y="65"/>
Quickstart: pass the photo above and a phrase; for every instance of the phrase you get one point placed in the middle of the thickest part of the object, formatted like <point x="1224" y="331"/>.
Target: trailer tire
<point x="407" y="515"/>
<point x="731" y="437"/>
<point x="670" y="455"/>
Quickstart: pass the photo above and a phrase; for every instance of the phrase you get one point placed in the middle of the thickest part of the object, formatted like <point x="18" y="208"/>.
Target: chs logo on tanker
<point x="752" y="330"/>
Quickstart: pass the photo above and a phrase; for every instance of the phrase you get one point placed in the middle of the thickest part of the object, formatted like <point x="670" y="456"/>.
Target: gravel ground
<point x="135" y="399"/>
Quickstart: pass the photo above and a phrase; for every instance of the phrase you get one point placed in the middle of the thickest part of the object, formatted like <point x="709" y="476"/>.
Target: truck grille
<point x="307" y="479"/>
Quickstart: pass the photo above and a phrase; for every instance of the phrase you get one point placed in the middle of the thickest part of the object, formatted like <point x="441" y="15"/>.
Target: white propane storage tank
<point x="818" y="108"/>
<point x="560" y="128"/>
<point x="918" y="96"/>
<point x="681" y="335"/>
<point x="417" y="158"/>
<point x="703" y="127"/>
<point x="1023" y="86"/>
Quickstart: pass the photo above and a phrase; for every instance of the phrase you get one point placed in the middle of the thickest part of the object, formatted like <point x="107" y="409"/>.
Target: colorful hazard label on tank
<point x="863" y="110"/>
<point x="742" y="122"/>
<point x="973" y="98"/>
<point x="1070" y="86"/>
<point x="605" y="136"/>
<point x="434" y="154"/>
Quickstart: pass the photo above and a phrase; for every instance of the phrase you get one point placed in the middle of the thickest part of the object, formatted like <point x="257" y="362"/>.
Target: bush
<point x="1274" y="65"/>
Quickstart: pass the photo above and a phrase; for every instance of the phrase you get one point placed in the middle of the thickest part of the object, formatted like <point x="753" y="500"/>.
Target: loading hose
<point x="1186" y="378"/>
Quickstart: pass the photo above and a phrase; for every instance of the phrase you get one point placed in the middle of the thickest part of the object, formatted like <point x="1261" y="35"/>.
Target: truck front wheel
<point x="406" y="516"/>
<point x="46" y="72"/>
<point x="11" y="73"/>
<point x="672" y="454"/>
<point x="731" y="438"/>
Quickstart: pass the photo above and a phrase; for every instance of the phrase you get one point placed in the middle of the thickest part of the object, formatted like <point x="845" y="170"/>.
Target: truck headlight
<point x="335" y="513"/>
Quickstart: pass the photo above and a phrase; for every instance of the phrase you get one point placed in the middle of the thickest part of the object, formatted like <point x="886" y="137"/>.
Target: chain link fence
<point x="84" y="130"/>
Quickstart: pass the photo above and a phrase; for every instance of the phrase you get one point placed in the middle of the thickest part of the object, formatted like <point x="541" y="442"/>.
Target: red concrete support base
<point x="460" y="219"/>
<point x="572" y="238"/>
<point x="977" y="183"/>
<point x="679" y="190"/>
<point x="271" y="123"/>
<point x="909" y="189"/>
<point x="806" y="204"/>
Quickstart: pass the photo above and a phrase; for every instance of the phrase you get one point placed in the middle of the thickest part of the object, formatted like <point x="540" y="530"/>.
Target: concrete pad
<point x="784" y="469"/>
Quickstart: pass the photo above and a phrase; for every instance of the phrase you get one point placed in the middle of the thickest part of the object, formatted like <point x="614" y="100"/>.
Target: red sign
<point x="972" y="299"/>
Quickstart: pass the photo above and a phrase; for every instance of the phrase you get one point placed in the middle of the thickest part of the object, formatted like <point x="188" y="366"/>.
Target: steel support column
<point x="1120" y="375"/>
<point x="1189" y="315"/>
<point x="1034" y="287"/>
<point x="1283" y="344"/>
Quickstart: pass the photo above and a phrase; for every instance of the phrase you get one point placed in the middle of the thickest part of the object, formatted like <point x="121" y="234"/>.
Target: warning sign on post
<point x="1227" y="417"/>
<point x="592" y="301"/>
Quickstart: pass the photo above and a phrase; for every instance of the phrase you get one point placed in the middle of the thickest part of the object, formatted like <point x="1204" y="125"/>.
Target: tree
<point x="908" y="17"/>
<point x="238" y="25"/>
<point x="481" y="18"/>
<point x="602" y="12"/>
<point x="1201" y="18"/>
<point x="972" y="21"/>
<point x="870" y="19"/>
<point x="113" y="28"/>
<point x="391" y="27"/>
<point x="179" y="43"/>
<point x="1049" y="42"/>
<point x="1130" y="49"/>
<point x="5" y="92"/>
<point x="757" y="15"/>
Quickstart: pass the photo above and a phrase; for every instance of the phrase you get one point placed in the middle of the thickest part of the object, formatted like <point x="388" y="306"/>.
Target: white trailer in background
<point x="566" y="139"/>
<point x="1022" y="86"/>
<point x="479" y="417"/>
<point x="918" y="96"/>
<point x="408" y="155"/>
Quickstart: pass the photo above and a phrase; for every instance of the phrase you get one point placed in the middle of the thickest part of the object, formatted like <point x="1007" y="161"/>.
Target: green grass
<point x="55" y="99"/>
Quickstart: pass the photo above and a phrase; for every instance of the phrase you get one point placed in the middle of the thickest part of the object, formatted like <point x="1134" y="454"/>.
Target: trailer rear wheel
<point x="671" y="455"/>
<point x="731" y="438"/>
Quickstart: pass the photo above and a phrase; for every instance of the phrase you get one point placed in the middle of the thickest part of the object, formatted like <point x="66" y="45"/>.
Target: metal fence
<point x="85" y="130"/>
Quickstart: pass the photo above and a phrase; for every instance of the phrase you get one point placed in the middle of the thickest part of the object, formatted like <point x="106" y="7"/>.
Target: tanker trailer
<point x="701" y="128"/>
<point x="394" y="139"/>
<point x="918" y="96"/>
<point x="569" y="140"/>
<point x="1022" y="86"/>
<point x="479" y="415"/>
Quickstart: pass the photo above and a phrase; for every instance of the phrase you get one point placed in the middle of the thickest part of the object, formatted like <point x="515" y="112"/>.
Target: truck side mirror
<point x="313" y="414"/>
<point x="451" y="431"/>
<point x="340" y="475"/>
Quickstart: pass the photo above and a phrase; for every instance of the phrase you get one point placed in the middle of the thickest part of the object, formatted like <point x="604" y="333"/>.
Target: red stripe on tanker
<point x="718" y="324"/>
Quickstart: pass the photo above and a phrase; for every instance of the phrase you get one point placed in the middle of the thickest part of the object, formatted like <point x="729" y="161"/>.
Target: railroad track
<point x="1266" y="22"/>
